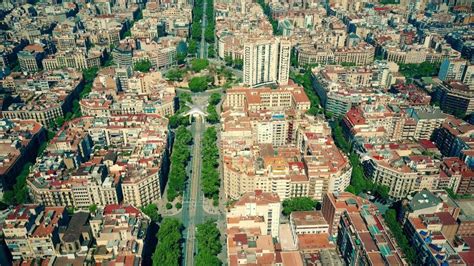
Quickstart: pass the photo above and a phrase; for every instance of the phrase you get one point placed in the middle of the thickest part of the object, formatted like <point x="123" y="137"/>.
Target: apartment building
<point x="86" y="187"/>
<point x="32" y="231"/>
<point x="144" y="187"/>
<point x="334" y="205"/>
<point x="77" y="171"/>
<point x="400" y="170"/>
<point x="360" y="55"/>
<point x="363" y="238"/>
<point x="270" y="172"/>
<point x="266" y="61"/>
<point x="452" y="69"/>
<point x="19" y="141"/>
<point x="456" y="98"/>
<point x="123" y="54"/>
<point x="77" y="59"/>
<point x="461" y="177"/>
<point x="269" y="145"/>
<point x="307" y="223"/>
<point x="466" y="226"/>
<point x="141" y="93"/>
<point x="277" y="169"/>
<point x="43" y="102"/>
<point x="328" y="169"/>
<point x="122" y="226"/>
<point x="286" y="97"/>
<point x="250" y="247"/>
<point x="427" y="120"/>
<point x="415" y="54"/>
<point x="432" y="235"/>
<point x="259" y="203"/>
<point x="308" y="54"/>
<point x="161" y="54"/>
<point x="341" y="88"/>
<point x="454" y="136"/>
<point x="30" y="58"/>
<point x="51" y="235"/>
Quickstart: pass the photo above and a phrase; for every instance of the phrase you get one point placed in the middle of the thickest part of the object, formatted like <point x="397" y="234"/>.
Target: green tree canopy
<point x="199" y="64"/>
<point x="168" y="250"/>
<point x="390" y="217"/>
<point x="19" y="193"/>
<point x="192" y="47"/>
<point x="198" y="84"/>
<point x="215" y="98"/>
<point x="209" y="245"/>
<point x="174" y="74"/>
<point x="210" y="161"/>
<point x="93" y="208"/>
<point x="142" y="66"/>
<point x="151" y="210"/>
<point x="179" y="158"/>
<point x="425" y="69"/>
<point x="298" y="204"/>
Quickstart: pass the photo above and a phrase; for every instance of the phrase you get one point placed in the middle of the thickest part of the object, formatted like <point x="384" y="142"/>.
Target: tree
<point x="93" y="208"/>
<point x="347" y="64"/>
<point x="305" y="81"/>
<point x="168" y="250"/>
<point x="108" y="60"/>
<point x="198" y="84"/>
<point x="196" y="31"/>
<point x="209" y="34"/>
<point x="390" y="217"/>
<point x="298" y="204"/>
<point x="142" y="66"/>
<point x="210" y="158"/>
<point x="59" y="121"/>
<point x="238" y="63"/>
<point x="89" y="74"/>
<point x="228" y="60"/>
<point x="179" y="158"/>
<point x="293" y="58"/>
<point x="192" y="47"/>
<point x="211" y="53"/>
<point x="199" y="64"/>
<point x="174" y="74"/>
<point x="178" y="205"/>
<point x="151" y="210"/>
<point x="215" y="98"/>
<point x="267" y="11"/>
<point x="9" y="197"/>
<point x="209" y="245"/>
<point x="169" y="206"/>
<point x="181" y="52"/>
<point x="212" y="116"/>
<point x="181" y="57"/>
<point x="338" y="136"/>
<point x="204" y="258"/>
<point x="425" y="69"/>
<point x="19" y="193"/>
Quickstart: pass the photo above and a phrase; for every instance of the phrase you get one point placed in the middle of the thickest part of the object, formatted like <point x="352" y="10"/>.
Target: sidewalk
<point x="209" y="207"/>
<point x="161" y="204"/>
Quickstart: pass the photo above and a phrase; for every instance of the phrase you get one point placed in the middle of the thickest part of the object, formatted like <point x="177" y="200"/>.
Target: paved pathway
<point x="203" y="49"/>
<point x="191" y="198"/>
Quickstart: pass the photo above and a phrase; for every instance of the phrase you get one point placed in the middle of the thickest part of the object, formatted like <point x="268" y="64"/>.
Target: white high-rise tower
<point x="266" y="61"/>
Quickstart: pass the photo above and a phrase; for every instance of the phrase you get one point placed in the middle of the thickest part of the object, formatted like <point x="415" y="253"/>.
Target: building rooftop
<point x="424" y="199"/>
<point x="308" y="218"/>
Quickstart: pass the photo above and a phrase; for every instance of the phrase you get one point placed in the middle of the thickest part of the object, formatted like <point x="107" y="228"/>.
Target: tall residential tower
<point x="266" y="61"/>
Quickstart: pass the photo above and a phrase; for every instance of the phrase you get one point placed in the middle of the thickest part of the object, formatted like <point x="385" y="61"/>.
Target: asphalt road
<point x="203" y="50"/>
<point x="193" y="209"/>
